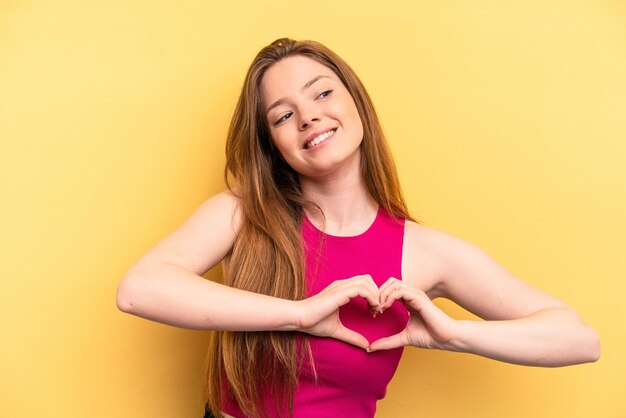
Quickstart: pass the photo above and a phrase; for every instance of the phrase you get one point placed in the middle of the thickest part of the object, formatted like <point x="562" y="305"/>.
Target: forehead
<point x="288" y="76"/>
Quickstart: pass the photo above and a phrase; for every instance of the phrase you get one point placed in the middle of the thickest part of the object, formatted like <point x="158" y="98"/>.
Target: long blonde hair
<point x="267" y="256"/>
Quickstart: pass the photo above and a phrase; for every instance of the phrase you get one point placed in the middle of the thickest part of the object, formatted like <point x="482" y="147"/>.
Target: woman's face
<point x="312" y="117"/>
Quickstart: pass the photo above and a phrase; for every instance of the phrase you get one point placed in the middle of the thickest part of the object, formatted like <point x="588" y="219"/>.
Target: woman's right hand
<point x="319" y="314"/>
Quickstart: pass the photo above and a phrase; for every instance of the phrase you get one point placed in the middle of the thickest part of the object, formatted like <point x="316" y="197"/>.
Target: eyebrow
<point x="306" y="86"/>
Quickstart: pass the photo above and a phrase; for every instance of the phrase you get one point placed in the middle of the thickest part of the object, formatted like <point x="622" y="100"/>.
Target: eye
<point x="325" y="94"/>
<point x="283" y="118"/>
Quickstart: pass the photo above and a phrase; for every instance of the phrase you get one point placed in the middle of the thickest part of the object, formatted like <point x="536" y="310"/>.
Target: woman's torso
<point x="349" y="379"/>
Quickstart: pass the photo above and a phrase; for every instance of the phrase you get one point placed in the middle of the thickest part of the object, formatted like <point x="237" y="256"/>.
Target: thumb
<point x="351" y="337"/>
<point x="388" y="343"/>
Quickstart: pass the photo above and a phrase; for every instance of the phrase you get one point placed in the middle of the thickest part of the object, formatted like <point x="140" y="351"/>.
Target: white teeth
<point x="319" y="138"/>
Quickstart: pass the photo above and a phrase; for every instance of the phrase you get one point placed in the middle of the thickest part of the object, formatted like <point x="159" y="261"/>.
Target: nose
<point x="307" y="120"/>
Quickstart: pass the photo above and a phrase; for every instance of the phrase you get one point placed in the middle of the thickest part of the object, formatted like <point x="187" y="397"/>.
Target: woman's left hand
<point x="428" y="326"/>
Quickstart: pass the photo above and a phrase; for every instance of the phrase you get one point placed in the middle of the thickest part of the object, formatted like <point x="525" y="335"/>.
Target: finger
<point x="384" y="289"/>
<point x="392" y="293"/>
<point x="374" y="309"/>
<point x="439" y="324"/>
<point x="369" y="279"/>
<point x="345" y="289"/>
<point x="361" y="287"/>
<point x="389" y="282"/>
<point x="434" y="318"/>
<point x="414" y="299"/>
<point x="388" y="343"/>
<point x="351" y="337"/>
<point x="376" y="292"/>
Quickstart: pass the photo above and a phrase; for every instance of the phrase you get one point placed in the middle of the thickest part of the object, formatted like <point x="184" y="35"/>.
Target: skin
<point x="295" y="115"/>
<point x="303" y="99"/>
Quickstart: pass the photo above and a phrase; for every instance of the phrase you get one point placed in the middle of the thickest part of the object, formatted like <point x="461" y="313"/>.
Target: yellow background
<point x="507" y="120"/>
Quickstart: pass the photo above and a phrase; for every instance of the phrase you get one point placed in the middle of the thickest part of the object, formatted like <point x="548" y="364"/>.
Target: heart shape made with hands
<point x="345" y="310"/>
<point x="388" y="317"/>
<point x="374" y="322"/>
<point x="427" y="325"/>
<point x="356" y="311"/>
<point x="360" y="313"/>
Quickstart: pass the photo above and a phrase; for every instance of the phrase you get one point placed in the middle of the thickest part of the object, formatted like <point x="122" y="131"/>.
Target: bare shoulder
<point x="423" y="263"/>
<point x="459" y="270"/>
<point x="430" y="254"/>
<point x="203" y="239"/>
<point x="423" y="235"/>
<point x="437" y="243"/>
<point x="222" y="206"/>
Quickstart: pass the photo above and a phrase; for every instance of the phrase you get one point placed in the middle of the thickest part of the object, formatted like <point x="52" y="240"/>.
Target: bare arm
<point x="165" y="285"/>
<point x="522" y="324"/>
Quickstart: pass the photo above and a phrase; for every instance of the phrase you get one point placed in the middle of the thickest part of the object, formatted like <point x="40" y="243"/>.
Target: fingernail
<point x="369" y="350"/>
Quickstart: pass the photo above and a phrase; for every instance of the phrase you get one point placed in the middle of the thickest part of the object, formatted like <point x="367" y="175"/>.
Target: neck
<point x="347" y="206"/>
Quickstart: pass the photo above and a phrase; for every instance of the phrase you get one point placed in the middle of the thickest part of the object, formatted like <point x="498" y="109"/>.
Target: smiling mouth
<point x="320" y="138"/>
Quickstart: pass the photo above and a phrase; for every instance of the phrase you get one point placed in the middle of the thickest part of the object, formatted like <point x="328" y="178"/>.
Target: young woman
<point x="326" y="276"/>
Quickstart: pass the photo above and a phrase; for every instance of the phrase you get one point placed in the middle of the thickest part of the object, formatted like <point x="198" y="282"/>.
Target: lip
<point x="315" y="135"/>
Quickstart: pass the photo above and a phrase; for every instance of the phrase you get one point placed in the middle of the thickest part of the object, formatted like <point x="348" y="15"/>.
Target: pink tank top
<point x="349" y="380"/>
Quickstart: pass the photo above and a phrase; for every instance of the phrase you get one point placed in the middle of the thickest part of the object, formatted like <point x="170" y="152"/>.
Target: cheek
<point x="358" y="123"/>
<point x="277" y="140"/>
<point x="353" y="114"/>
<point x="281" y="145"/>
